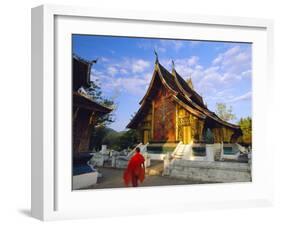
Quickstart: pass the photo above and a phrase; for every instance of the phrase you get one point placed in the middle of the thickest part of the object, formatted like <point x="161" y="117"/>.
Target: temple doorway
<point x="208" y="136"/>
<point x="186" y="134"/>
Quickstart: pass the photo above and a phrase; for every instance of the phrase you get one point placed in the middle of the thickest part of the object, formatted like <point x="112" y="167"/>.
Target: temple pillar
<point x="145" y="136"/>
<point x="152" y="120"/>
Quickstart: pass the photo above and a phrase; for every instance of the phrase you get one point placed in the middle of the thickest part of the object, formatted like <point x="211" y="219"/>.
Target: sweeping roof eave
<point x="82" y="101"/>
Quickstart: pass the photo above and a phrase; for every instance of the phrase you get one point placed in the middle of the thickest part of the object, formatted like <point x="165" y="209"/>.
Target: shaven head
<point x="137" y="149"/>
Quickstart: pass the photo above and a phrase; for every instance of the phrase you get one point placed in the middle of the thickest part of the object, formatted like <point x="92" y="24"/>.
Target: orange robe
<point x="134" y="169"/>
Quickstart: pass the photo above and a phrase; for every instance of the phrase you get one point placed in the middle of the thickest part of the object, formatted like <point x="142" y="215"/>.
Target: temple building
<point x="172" y="111"/>
<point x="85" y="109"/>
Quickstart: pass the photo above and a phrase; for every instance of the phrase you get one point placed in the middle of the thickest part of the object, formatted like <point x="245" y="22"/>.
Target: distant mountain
<point x="112" y="138"/>
<point x="110" y="131"/>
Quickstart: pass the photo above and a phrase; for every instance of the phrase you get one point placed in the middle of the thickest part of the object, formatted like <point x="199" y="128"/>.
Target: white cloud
<point x="211" y="70"/>
<point x="198" y="67"/>
<point x="123" y="71"/>
<point x="229" y="53"/>
<point x="125" y="66"/>
<point x="224" y="57"/>
<point x="131" y="85"/>
<point x="241" y="57"/>
<point x="139" y="65"/>
<point x="218" y="59"/>
<point x="225" y="93"/>
<point x="184" y="66"/>
<point x="227" y="69"/>
<point x="125" y="75"/>
<point x="234" y="60"/>
<point x="192" y="60"/>
<point x="112" y="70"/>
<point x="246" y="73"/>
<point x="232" y="51"/>
<point x="104" y="59"/>
<point x="147" y="77"/>
<point x="246" y="96"/>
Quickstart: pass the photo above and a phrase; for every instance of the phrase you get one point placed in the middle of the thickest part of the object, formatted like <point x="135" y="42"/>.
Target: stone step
<point x="156" y="168"/>
<point x="181" y="151"/>
<point x="178" y="157"/>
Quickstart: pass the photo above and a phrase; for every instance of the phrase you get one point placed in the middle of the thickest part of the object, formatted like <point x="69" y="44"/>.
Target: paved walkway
<point x="113" y="178"/>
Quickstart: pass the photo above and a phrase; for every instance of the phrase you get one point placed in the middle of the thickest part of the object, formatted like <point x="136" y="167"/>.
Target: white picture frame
<point x="52" y="197"/>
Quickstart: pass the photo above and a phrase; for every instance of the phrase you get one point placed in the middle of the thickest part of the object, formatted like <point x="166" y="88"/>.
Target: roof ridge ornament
<point x="173" y="68"/>
<point x="94" y="61"/>
<point x="156" y="55"/>
<point x="189" y="82"/>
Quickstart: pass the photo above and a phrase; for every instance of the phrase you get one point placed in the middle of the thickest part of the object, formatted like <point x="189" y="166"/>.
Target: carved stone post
<point x="167" y="160"/>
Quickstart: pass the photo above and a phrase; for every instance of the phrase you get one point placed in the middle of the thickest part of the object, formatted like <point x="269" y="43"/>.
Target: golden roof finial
<point x="173" y="64"/>
<point x="189" y="82"/>
<point x="173" y="68"/>
<point x="156" y="55"/>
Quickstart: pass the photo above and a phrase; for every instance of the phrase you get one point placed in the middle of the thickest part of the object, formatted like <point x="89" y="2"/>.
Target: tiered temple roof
<point x="81" y="78"/>
<point x="183" y="93"/>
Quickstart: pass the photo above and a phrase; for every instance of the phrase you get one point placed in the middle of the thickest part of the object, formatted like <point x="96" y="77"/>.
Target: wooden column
<point x="177" y="122"/>
<point x="152" y="120"/>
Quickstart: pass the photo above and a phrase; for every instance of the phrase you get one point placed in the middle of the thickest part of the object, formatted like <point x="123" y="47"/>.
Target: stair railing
<point x="174" y="153"/>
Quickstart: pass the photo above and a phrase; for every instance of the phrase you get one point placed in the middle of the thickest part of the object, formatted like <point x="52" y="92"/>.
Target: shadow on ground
<point x="25" y="212"/>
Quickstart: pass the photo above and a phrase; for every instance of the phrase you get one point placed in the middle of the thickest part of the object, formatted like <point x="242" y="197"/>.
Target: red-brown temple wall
<point x="164" y="117"/>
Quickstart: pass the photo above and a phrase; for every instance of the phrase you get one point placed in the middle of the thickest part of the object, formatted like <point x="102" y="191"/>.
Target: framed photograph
<point x="137" y="112"/>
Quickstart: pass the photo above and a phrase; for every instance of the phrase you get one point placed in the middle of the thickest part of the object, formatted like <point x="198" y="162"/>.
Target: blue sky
<point x="220" y="71"/>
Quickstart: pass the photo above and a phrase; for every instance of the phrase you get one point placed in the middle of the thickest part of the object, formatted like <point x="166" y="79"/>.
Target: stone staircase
<point x="217" y="156"/>
<point x="181" y="151"/>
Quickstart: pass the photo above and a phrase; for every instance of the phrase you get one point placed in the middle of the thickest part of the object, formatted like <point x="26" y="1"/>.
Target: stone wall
<point x="206" y="171"/>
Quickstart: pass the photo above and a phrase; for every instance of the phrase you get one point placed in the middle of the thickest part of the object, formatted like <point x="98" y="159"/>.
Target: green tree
<point x="246" y="127"/>
<point x="113" y="139"/>
<point x="224" y="112"/>
<point x="94" y="91"/>
<point x="97" y="138"/>
<point x="127" y="139"/>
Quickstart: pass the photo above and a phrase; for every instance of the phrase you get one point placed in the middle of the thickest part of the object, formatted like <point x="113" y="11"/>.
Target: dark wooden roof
<point x="194" y="96"/>
<point x="183" y="94"/>
<point x="82" y="101"/>
<point x="81" y="70"/>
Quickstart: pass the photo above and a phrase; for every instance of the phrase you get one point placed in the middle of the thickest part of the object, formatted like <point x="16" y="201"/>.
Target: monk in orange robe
<point x="135" y="170"/>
